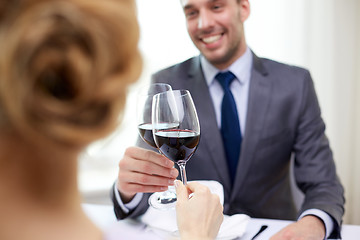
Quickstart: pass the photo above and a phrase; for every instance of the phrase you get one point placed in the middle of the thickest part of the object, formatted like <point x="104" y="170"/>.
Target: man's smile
<point x="211" y="39"/>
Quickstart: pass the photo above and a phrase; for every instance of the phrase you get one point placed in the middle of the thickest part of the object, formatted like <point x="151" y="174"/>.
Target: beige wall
<point x="353" y="214"/>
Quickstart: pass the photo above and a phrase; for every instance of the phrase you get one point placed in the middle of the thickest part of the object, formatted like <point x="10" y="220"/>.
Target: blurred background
<point x="321" y="35"/>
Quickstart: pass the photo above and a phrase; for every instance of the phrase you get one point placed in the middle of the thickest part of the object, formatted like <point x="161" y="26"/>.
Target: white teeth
<point x="211" y="39"/>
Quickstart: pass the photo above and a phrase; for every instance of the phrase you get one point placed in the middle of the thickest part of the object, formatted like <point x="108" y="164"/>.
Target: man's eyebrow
<point x="188" y="6"/>
<point x="211" y="1"/>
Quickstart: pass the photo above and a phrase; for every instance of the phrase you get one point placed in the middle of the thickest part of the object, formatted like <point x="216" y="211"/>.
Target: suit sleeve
<point x="139" y="210"/>
<point x="314" y="169"/>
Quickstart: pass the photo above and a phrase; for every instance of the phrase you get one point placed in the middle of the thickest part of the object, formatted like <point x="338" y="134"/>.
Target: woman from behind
<point x="65" y="67"/>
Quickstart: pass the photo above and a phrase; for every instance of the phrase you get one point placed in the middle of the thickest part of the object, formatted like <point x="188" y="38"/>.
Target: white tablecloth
<point x="103" y="216"/>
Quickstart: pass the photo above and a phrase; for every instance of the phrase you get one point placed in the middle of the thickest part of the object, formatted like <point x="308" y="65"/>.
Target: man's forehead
<point x="190" y="2"/>
<point x="184" y="2"/>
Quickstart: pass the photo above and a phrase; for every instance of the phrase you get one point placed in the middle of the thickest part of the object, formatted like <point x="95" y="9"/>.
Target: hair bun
<point x="66" y="67"/>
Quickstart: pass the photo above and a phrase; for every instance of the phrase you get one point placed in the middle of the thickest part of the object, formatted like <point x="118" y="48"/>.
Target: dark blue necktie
<point x="230" y="126"/>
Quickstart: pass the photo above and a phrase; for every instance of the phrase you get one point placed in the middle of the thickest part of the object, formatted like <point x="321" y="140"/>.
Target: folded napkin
<point x="233" y="226"/>
<point x="163" y="222"/>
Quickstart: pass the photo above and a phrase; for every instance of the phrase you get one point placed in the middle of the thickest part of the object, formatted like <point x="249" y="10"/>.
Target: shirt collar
<point x="241" y="68"/>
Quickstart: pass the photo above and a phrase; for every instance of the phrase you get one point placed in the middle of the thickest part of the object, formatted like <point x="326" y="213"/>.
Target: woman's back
<point x="64" y="71"/>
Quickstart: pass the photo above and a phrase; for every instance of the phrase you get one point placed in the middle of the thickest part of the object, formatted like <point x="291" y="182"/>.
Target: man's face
<point x="216" y="28"/>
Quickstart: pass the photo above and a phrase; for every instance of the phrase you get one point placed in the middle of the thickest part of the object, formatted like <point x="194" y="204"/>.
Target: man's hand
<point x="143" y="170"/>
<point x="307" y="228"/>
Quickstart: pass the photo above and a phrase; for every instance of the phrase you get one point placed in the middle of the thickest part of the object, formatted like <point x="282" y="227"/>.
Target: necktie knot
<point x="225" y="79"/>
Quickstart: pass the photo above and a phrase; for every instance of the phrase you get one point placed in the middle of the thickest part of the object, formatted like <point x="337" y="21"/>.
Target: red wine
<point x="146" y="134"/>
<point x="177" y="145"/>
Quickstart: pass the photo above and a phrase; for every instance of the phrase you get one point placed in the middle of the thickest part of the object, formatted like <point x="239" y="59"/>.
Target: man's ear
<point x="244" y="9"/>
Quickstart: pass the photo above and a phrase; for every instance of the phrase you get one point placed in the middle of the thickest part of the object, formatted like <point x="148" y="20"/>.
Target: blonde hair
<point x="65" y="67"/>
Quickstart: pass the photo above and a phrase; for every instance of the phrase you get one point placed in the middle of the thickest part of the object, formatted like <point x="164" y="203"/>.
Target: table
<point x="348" y="232"/>
<point x="103" y="216"/>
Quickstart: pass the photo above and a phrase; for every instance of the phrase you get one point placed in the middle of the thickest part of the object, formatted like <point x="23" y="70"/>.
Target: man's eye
<point x="190" y="14"/>
<point x="216" y="7"/>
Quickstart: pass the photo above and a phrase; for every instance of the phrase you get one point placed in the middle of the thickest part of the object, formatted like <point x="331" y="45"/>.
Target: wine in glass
<point x="177" y="144"/>
<point x="161" y="200"/>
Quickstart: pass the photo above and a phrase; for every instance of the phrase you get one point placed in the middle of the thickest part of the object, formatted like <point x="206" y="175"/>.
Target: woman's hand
<point x="200" y="216"/>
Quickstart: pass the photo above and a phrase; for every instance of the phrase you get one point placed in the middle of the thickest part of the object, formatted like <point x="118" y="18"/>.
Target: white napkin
<point x="233" y="226"/>
<point x="163" y="222"/>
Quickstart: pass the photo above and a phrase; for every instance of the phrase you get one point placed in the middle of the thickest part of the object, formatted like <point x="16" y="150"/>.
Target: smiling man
<point x="255" y="114"/>
<point x="216" y="28"/>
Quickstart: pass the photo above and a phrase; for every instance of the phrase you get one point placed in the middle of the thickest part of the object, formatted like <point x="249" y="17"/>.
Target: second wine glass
<point x="158" y="200"/>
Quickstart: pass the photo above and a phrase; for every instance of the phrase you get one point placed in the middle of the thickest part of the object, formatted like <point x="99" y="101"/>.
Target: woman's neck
<point x="39" y="193"/>
<point x="42" y="172"/>
<point x="37" y="223"/>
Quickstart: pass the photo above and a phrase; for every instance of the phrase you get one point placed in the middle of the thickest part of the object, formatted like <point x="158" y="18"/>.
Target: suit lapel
<point x="211" y="138"/>
<point x="259" y="98"/>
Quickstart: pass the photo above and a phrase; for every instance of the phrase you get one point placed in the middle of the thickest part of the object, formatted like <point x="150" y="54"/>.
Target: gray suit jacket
<point x="283" y="118"/>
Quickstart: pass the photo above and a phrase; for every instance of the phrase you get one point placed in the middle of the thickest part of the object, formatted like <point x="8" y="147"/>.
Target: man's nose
<point x="205" y="20"/>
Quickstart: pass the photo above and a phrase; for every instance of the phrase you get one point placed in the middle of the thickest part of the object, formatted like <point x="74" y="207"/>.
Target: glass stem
<point x="183" y="172"/>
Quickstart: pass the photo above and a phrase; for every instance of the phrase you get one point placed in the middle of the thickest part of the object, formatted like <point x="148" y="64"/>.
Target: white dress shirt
<point x="239" y="87"/>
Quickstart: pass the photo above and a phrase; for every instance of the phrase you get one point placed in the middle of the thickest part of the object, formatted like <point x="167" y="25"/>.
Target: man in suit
<point x="278" y="117"/>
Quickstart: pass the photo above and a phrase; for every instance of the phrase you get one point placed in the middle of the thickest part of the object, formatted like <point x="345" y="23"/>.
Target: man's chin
<point x="215" y="58"/>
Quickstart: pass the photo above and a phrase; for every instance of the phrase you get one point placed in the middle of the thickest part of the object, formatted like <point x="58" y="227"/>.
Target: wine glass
<point x="159" y="200"/>
<point x="178" y="144"/>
